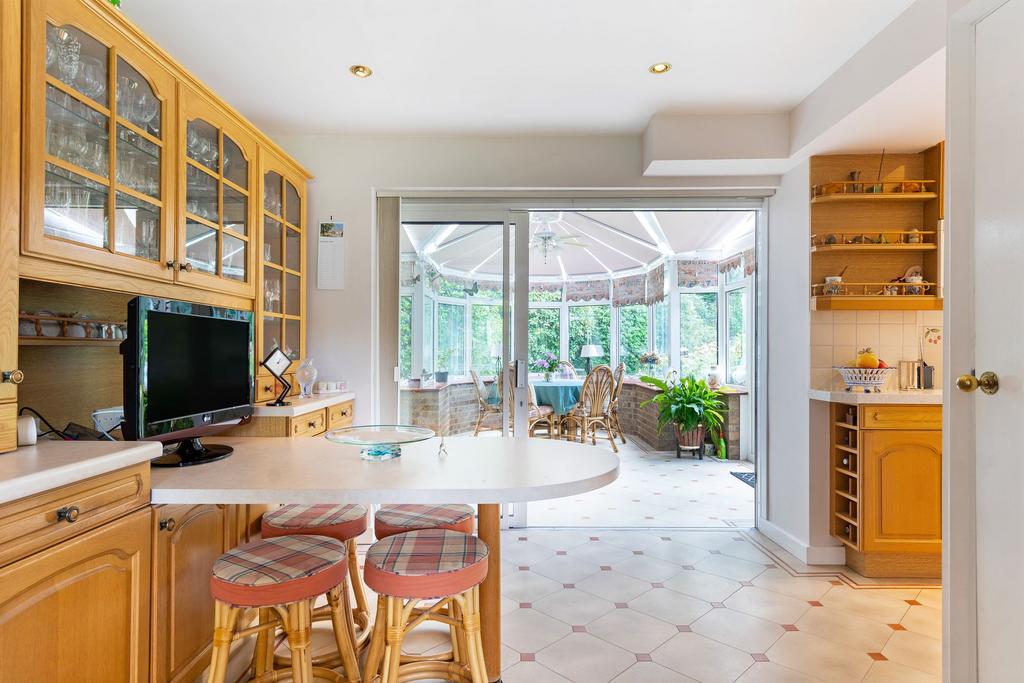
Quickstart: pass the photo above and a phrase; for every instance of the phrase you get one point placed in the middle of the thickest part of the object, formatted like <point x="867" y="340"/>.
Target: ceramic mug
<point x="833" y="285"/>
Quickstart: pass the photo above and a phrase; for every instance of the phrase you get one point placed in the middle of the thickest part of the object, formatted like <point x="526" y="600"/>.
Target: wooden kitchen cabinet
<point x="886" y="494"/>
<point x="99" y="144"/>
<point x="10" y="187"/>
<point x="187" y="540"/>
<point x="80" y="610"/>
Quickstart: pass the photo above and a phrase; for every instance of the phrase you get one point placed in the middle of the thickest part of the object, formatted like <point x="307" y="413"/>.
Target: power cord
<point x="53" y="430"/>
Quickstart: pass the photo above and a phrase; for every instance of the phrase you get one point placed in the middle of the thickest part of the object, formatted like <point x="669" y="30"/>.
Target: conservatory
<point x="661" y="292"/>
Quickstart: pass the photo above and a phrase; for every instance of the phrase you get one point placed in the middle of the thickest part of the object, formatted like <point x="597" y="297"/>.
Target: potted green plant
<point x="441" y="375"/>
<point x="692" y="407"/>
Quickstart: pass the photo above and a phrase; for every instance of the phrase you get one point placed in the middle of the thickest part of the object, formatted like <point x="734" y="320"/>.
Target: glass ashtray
<point x="379" y="442"/>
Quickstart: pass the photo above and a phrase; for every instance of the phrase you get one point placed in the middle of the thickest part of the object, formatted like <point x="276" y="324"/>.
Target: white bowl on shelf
<point x="868" y="380"/>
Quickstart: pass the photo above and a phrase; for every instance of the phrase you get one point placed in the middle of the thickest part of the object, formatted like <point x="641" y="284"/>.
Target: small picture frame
<point x="278" y="362"/>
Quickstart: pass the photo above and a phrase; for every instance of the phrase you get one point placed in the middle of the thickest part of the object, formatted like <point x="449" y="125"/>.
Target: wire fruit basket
<point x="868" y="380"/>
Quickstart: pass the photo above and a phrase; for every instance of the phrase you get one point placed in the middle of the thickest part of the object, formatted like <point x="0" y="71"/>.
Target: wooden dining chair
<point x="486" y="410"/>
<point x="591" y="412"/>
<point x="540" y="416"/>
<point x="613" y="408"/>
<point x="569" y="368"/>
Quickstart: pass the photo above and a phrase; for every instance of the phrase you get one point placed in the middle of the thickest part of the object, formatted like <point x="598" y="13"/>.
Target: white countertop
<point x="911" y="397"/>
<point x="50" y="464"/>
<point x="315" y="470"/>
<point x="298" y="406"/>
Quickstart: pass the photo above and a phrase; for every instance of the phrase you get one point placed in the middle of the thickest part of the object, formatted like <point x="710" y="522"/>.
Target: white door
<point x="985" y="324"/>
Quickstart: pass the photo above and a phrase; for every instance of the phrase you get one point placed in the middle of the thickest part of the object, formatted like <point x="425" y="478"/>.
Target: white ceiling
<point x="501" y="67"/>
<point x="615" y="241"/>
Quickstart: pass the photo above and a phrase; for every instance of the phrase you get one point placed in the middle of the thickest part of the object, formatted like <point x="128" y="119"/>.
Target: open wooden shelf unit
<point x="876" y="237"/>
<point x="844" y="446"/>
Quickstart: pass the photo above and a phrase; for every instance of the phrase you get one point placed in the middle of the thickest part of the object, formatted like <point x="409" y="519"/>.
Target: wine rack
<point x="845" y="464"/>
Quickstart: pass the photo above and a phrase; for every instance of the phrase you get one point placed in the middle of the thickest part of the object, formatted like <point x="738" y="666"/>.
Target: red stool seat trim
<point x="425" y="564"/>
<point x="279" y="570"/>
<point x="397" y="519"/>
<point x="342" y="522"/>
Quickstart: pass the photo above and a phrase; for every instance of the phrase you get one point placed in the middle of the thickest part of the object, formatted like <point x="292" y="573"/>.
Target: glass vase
<point x="306" y="377"/>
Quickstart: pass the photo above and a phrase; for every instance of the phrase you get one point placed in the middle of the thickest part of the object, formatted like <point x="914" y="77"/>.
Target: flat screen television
<point x="188" y="373"/>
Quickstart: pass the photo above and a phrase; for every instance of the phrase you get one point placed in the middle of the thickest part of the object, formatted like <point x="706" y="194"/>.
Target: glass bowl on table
<point x="379" y="442"/>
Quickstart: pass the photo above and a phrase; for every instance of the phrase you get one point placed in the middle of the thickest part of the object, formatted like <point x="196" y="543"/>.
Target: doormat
<point x="748" y="478"/>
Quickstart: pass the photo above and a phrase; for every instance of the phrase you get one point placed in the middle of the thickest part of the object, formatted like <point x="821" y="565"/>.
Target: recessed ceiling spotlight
<point x="361" y="71"/>
<point x="660" y="68"/>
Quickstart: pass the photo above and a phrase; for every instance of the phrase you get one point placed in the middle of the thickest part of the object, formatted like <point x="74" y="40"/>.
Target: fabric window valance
<point x="586" y="290"/>
<point x="629" y="291"/>
<point x="697" y="273"/>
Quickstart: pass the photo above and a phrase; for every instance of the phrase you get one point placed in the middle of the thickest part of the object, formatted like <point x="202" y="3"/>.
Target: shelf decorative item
<point x="380" y="442"/>
<point x="306" y="377"/>
<point x="868" y="380"/>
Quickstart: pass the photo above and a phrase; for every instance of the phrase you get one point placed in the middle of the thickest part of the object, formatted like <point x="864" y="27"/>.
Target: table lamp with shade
<point x="590" y="352"/>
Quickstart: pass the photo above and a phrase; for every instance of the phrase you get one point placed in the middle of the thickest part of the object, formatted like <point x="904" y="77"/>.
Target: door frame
<point x="419" y="206"/>
<point x="959" y="556"/>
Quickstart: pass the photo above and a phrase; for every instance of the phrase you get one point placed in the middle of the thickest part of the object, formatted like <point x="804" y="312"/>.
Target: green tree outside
<point x="589" y="324"/>
<point x="632" y="336"/>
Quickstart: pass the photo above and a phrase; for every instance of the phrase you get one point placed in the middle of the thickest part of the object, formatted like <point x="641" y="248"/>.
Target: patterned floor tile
<point x="815" y="656"/>
<point x="531" y="672"/>
<point x="574" y="607"/>
<point x="770" y="672"/>
<point x="529" y="630"/>
<point x="894" y="672"/>
<point x="702" y="585"/>
<point x="649" y="672"/>
<point x="782" y="609"/>
<point x="527" y="586"/>
<point x="916" y="651"/>
<point x="649" y="569"/>
<point x="741" y="631"/>
<point x="845" y="628"/>
<point x="706" y="660"/>
<point x="731" y="567"/>
<point x="583" y="657"/>
<point x="614" y="586"/>
<point x="924" y="620"/>
<point x="671" y="606"/>
<point x="565" y="569"/>
<point x="631" y="630"/>
<point x="802" y="588"/>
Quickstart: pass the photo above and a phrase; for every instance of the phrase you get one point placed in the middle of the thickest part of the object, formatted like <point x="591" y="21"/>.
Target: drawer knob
<point x="168" y="524"/>
<point x="312" y="424"/>
<point x="68" y="514"/>
<point x="12" y="376"/>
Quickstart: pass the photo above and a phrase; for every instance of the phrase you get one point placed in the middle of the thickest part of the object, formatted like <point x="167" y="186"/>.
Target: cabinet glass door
<point x="216" y="204"/>
<point x="282" y="261"/>
<point x="97" y="112"/>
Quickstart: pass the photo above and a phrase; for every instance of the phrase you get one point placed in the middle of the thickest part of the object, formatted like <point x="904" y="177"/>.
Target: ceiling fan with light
<point x="544" y="240"/>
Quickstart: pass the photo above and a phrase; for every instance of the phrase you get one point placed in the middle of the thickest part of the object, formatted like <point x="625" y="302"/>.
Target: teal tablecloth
<point x="560" y="394"/>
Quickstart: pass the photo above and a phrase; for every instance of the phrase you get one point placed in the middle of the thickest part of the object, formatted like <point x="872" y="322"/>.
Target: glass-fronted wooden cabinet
<point x="218" y="172"/>
<point x="281" y="299"/>
<point x="99" y="139"/>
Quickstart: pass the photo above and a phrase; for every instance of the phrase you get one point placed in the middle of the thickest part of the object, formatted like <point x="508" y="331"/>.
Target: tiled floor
<point x="656" y="489"/>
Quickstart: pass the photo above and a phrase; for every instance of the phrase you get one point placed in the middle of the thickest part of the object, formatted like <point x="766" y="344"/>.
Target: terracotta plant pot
<point x="691" y="439"/>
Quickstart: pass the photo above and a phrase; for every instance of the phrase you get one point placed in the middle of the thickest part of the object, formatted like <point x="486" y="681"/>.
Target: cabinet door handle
<point x="187" y="267"/>
<point x="168" y="524"/>
<point x="13" y="377"/>
<point x="172" y="265"/>
<point x="68" y="514"/>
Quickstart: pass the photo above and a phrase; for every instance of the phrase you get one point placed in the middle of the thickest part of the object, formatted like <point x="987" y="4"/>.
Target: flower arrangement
<point x="650" y="358"/>
<point x="546" y="363"/>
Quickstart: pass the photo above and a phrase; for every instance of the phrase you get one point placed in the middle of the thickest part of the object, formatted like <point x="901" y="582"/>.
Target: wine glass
<point x="90" y="77"/>
<point x="68" y="55"/>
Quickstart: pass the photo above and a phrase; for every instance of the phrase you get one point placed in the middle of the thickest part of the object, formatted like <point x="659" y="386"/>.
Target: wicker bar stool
<point x="281" y="577"/>
<point x="344" y="523"/>
<point x="429" y="565"/>
<point x="397" y="519"/>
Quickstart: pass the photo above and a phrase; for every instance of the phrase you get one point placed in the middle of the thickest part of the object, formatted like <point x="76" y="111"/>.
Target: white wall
<point x="349" y="170"/>
<point x="797" y="481"/>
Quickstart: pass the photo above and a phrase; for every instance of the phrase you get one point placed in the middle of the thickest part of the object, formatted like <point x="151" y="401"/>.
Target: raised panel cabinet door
<point x="187" y="540"/>
<point x="901" y="481"/>
<point x="80" y="611"/>
<point x="217" y="203"/>
<point x="99" y="140"/>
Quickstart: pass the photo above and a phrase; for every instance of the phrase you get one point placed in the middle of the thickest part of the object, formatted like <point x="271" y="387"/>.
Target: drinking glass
<point x="68" y="55"/>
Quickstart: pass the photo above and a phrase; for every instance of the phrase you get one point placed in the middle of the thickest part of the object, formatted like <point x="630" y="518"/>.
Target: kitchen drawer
<point x="308" y="424"/>
<point x="45" y="519"/>
<point x="901" y="417"/>
<point x="340" y="415"/>
<point x="268" y="388"/>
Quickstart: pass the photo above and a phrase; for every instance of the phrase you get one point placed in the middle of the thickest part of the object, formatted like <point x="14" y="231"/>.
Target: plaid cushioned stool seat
<point x="430" y="563"/>
<point x="342" y="522"/>
<point x="397" y="519"/>
<point x="279" y="570"/>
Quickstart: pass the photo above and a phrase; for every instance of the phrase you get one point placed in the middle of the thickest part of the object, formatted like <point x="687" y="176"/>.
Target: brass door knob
<point x="68" y="514"/>
<point x="988" y="383"/>
<point x="12" y="377"/>
<point x="168" y="524"/>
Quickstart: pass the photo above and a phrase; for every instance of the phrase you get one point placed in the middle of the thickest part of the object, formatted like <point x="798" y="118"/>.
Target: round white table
<point x="487" y="471"/>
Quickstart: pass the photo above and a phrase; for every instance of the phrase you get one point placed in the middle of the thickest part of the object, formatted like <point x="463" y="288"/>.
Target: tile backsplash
<point x="836" y="336"/>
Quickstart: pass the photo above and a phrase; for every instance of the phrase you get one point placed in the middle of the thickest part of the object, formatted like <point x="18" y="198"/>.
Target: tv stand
<point x="192" y="452"/>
